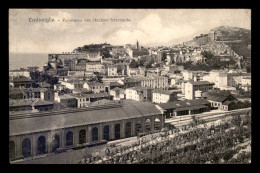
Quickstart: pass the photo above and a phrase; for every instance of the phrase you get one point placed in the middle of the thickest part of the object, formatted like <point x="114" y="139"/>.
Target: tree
<point x="208" y="55"/>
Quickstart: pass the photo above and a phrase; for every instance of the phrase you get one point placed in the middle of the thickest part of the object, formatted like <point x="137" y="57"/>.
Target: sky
<point x="151" y="27"/>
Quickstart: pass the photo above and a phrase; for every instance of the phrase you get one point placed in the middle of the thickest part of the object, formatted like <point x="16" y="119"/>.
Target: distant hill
<point x="238" y="39"/>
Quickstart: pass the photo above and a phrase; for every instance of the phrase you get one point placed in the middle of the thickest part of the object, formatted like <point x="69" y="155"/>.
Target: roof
<point x="59" y="84"/>
<point x="115" y="84"/>
<point x="15" y="91"/>
<point x="39" y="102"/>
<point x="67" y="96"/>
<point x="21" y="79"/>
<point x="81" y="90"/>
<point x="185" y="103"/>
<point x="201" y="83"/>
<point x="139" y="88"/>
<point x="73" y="119"/>
<point x="227" y="102"/>
<point x="239" y="74"/>
<point x="28" y="102"/>
<point x="190" y="108"/>
<point x="166" y="92"/>
<point x="96" y="84"/>
<point x="35" y="89"/>
<point x="219" y="97"/>
<point x="44" y="84"/>
<point x="117" y="89"/>
<point x="91" y="95"/>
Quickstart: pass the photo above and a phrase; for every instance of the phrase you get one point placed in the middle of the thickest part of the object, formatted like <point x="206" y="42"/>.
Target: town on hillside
<point x="135" y="104"/>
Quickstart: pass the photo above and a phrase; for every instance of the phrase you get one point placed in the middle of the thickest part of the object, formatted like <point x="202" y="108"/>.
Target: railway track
<point x="185" y="120"/>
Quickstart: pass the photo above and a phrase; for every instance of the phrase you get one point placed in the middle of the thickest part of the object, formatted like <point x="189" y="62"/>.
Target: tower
<point x="137" y="45"/>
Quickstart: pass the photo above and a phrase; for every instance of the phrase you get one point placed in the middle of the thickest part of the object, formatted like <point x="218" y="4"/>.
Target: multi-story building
<point x="70" y="64"/>
<point x="19" y="72"/>
<point x="246" y="83"/>
<point x="32" y="93"/>
<point x="112" y="70"/>
<point x="139" y="93"/>
<point x="117" y="93"/>
<point x="191" y="87"/>
<point x="187" y="75"/>
<point x="97" y="87"/>
<point x="66" y="100"/>
<point x="163" y="96"/>
<point x="20" y="82"/>
<point x="154" y="82"/>
<point x="217" y="77"/>
<point x="83" y="100"/>
<point x="95" y="67"/>
<point x="235" y="79"/>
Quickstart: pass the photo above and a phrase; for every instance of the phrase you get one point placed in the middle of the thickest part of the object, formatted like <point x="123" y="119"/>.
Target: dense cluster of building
<point x="98" y="98"/>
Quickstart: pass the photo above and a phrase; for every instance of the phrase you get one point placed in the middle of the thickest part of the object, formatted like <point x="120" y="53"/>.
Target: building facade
<point x="52" y="133"/>
<point x="191" y="87"/>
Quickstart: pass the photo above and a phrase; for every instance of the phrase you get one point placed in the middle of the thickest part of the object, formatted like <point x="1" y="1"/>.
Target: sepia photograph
<point x="129" y="86"/>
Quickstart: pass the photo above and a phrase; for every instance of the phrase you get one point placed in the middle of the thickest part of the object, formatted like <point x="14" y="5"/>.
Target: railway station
<point x="41" y="133"/>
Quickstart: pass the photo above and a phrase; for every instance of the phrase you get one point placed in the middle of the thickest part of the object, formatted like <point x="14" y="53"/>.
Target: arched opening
<point x="55" y="142"/>
<point x="11" y="149"/>
<point x="128" y="130"/>
<point x="106" y="133"/>
<point x="26" y="147"/>
<point x="117" y="131"/>
<point x="82" y="136"/>
<point x="41" y="145"/>
<point x="138" y="127"/>
<point x="147" y="125"/>
<point x="157" y="123"/>
<point x="69" y="138"/>
<point x="95" y="134"/>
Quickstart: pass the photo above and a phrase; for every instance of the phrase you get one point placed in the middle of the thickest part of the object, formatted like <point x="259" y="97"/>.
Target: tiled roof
<point x="66" y="120"/>
<point x="182" y="104"/>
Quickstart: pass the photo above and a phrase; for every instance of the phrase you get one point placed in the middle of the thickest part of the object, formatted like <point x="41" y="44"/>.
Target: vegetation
<point x="212" y="63"/>
<point x="144" y="61"/>
<point x="42" y="77"/>
<point x="96" y="47"/>
<point x="226" y="142"/>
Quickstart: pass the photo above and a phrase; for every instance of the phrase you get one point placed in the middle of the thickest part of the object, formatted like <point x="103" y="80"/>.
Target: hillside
<point x="238" y="39"/>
